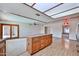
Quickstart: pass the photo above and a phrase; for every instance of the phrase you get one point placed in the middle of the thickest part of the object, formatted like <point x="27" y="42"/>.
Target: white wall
<point x="25" y="29"/>
<point x="73" y="28"/>
<point x="16" y="47"/>
<point x="56" y="28"/>
<point x="24" y="10"/>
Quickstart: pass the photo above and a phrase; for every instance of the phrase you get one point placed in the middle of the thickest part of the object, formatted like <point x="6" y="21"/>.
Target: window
<point x="9" y="31"/>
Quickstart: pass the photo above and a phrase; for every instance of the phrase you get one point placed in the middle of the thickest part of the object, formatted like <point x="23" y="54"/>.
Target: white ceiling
<point x="25" y="11"/>
<point x="48" y="11"/>
<point x="15" y="18"/>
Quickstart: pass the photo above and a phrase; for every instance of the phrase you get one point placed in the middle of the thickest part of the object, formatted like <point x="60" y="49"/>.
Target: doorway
<point x="47" y="31"/>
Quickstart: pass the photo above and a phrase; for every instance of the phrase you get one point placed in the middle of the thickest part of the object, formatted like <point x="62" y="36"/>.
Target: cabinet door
<point x="0" y="31"/>
<point x="2" y="49"/>
<point x="49" y="39"/>
<point x="35" y="45"/>
<point x="43" y="41"/>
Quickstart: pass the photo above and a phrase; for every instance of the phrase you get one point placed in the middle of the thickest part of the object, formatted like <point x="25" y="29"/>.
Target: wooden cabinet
<point x="48" y="39"/>
<point x="43" y="41"/>
<point x="0" y="31"/>
<point x="2" y="48"/>
<point x="36" y="43"/>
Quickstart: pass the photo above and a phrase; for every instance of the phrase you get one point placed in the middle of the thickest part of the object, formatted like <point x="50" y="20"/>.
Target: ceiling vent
<point x="37" y="14"/>
<point x="35" y="24"/>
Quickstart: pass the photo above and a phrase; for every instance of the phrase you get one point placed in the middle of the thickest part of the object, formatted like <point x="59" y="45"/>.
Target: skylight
<point x="66" y="13"/>
<point x="56" y="10"/>
<point x="44" y="6"/>
<point x="61" y="8"/>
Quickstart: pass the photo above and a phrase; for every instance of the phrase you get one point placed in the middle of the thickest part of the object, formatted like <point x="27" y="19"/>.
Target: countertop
<point x="38" y="35"/>
<point x="3" y="40"/>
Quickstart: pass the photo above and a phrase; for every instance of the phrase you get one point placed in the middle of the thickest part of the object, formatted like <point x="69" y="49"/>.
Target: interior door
<point x="46" y="30"/>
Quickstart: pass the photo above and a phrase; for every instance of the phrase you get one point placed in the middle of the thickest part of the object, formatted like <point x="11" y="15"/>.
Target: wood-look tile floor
<point x="56" y="49"/>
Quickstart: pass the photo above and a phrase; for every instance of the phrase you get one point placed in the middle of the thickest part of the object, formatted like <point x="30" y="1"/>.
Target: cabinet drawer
<point x="35" y="47"/>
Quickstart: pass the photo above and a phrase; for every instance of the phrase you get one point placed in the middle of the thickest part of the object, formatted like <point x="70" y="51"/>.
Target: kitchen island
<point x="38" y="42"/>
